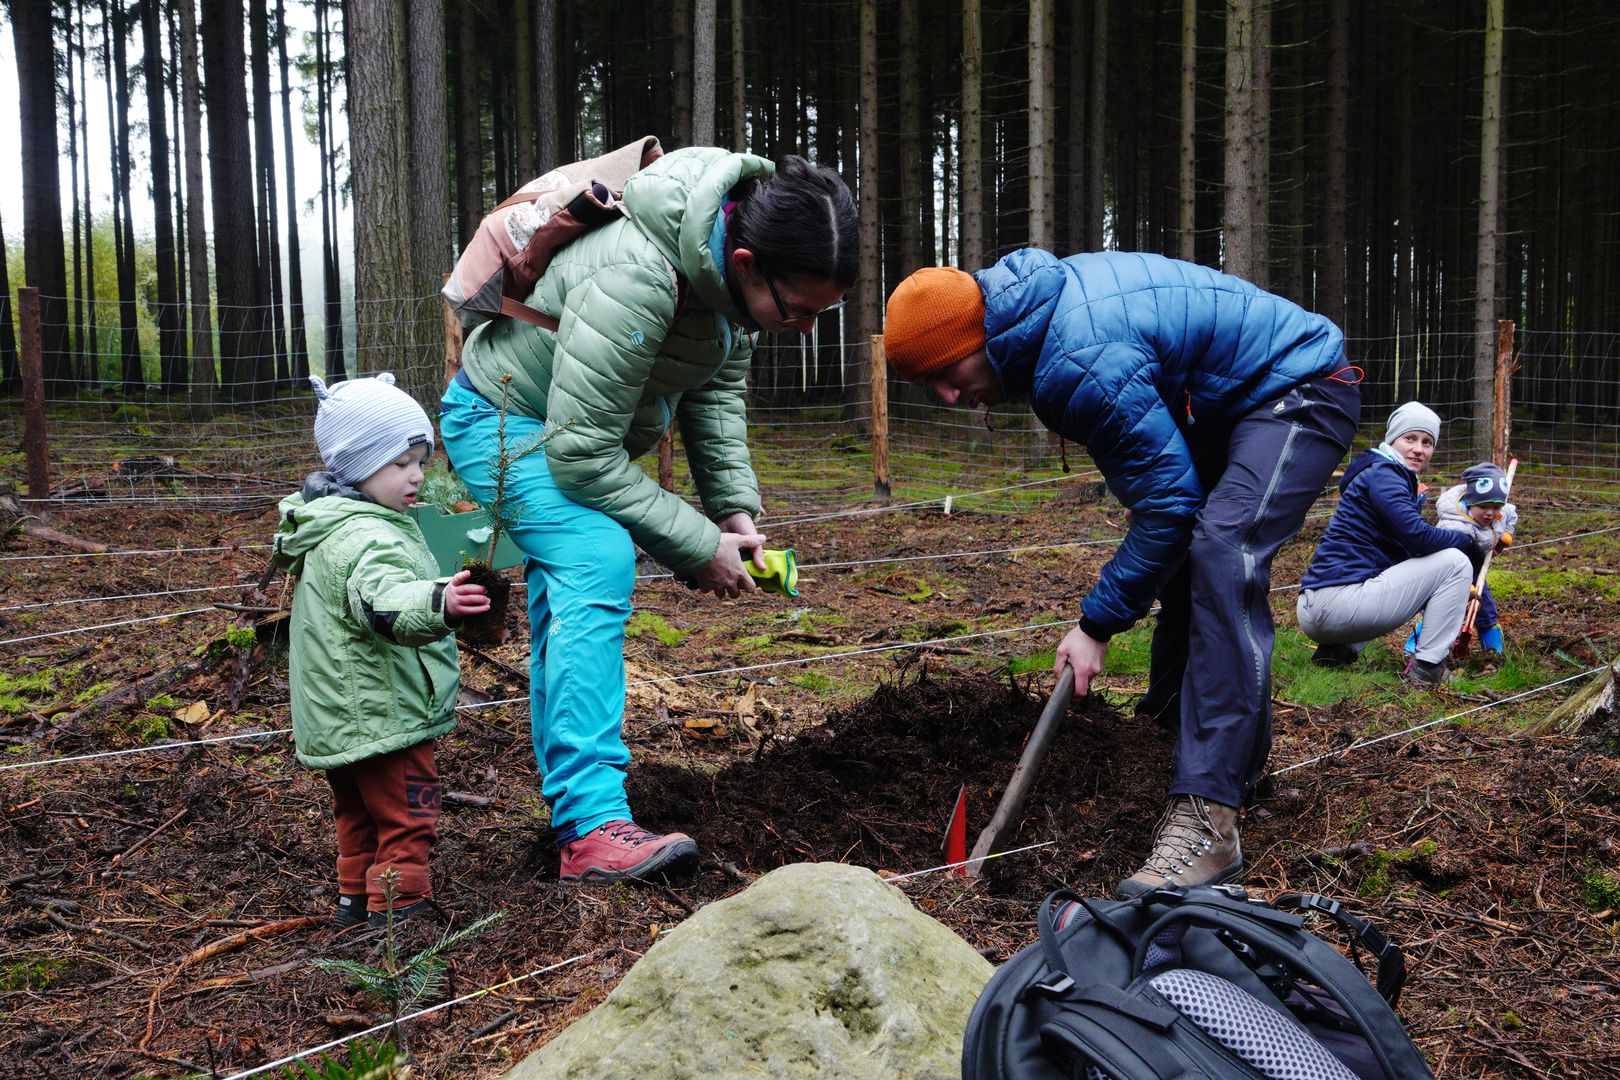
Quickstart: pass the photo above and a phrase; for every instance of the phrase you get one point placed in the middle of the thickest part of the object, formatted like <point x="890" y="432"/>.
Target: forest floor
<point x="162" y="909"/>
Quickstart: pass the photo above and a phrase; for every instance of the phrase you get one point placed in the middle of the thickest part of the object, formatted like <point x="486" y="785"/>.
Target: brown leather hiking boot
<point x="1197" y="844"/>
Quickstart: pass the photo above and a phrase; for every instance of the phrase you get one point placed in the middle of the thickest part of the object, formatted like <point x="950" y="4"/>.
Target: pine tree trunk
<point x="1490" y="198"/>
<point x="428" y="160"/>
<point x="549" y="151"/>
<point x="972" y="157"/>
<point x="298" y="343"/>
<point x="703" y="19"/>
<point x="73" y="118"/>
<point x="202" y="328"/>
<point x="1236" y="226"/>
<point x="681" y="31"/>
<point x="271" y="370"/>
<point x="1041" y="148"/>
<point x="1260" y="146"/>
<point x="130" y="376"/>
<point x="871" y="300"/>
<point x="178" y="172"/>
<point x="523" y="73"/>
<point x="1079" y="110"/>
<point x="332" y="302"/>
<point x="1187" y="175"/>
<point x="171" y="342"/>
<point x="230" y="176"/>
<point x="379" y="127"/>
<point x="739" y="80"/>
<point x="469" y="137"/>
<point x="1096" y="126"/>
<point x="1331" y="300"/>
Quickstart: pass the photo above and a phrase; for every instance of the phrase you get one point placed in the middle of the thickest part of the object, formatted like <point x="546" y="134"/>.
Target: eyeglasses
<point x="781" y="308"/>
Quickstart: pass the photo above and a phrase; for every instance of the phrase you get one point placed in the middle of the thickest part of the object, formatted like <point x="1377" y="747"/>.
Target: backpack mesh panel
<point x="1249" y="1028"/>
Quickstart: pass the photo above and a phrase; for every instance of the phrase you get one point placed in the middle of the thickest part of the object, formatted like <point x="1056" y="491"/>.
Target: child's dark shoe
<point x="350" y="910"/>
<point x="377" y="920"/>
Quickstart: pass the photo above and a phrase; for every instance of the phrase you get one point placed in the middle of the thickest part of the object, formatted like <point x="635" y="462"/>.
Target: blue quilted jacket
<point x="1148" y="362"/>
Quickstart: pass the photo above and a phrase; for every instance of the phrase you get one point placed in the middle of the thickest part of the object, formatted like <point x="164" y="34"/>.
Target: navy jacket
<point x="1378" y="524"/>
<point x="1148" y="362"/>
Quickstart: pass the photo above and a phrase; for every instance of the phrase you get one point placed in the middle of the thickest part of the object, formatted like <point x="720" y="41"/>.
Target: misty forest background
<point x="1414" y="170"/>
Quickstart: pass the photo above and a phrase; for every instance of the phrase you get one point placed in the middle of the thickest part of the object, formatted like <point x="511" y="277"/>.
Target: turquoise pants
<point x="580" y="566"/>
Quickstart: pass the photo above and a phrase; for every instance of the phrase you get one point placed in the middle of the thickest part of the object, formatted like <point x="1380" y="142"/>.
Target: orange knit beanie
<point x="935" y="318"/>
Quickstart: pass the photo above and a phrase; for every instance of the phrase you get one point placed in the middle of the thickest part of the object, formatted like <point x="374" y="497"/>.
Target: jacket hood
<point x="310" y="517"/>
<point x="678" y="203"/>
<point x="1020" y="297"/>
<point x="1367" y="459"/>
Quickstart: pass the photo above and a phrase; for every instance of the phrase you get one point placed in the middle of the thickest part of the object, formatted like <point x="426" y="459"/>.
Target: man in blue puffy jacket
<point x="1216" y="413"/>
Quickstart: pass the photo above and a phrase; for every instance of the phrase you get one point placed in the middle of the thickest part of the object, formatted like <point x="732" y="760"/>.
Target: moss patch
<point x="645" y="622"/>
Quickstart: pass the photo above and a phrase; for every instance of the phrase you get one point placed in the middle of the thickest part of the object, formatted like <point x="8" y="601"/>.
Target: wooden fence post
<point x="36" y="449"/>
<point x="452" y="341"/>
<point x="880" y="420"/>
<point x="1504" y="391"/>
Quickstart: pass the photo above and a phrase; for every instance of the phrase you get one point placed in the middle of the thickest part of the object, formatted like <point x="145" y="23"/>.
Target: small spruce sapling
<point x="399" y="984"/>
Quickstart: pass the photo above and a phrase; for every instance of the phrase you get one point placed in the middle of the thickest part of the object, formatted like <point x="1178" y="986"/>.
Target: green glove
<point x="781" y="573"/>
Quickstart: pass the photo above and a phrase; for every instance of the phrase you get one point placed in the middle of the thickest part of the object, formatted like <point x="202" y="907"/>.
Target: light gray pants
<point x="1353" y="615"/>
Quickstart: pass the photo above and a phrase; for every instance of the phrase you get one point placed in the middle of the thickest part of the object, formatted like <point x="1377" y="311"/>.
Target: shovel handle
<point x="1011" y="807"/>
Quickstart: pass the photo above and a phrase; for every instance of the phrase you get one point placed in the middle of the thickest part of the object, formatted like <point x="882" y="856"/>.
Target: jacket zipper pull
<point x="1190" y="420"/>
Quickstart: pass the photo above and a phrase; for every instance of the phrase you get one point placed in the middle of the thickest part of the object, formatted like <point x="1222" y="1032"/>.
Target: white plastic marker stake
<point x="948" y="499"/>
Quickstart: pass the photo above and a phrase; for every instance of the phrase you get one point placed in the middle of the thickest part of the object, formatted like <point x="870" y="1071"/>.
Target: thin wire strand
<point x="106" y="626"/>
<point x="969" y="862"/>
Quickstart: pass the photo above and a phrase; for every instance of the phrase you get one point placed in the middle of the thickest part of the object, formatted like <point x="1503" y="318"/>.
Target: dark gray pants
<point x="1214" y="635"/>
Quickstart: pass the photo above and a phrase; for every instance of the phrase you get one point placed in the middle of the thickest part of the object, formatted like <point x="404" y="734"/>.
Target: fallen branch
<point x="215" y="948"/>
<point x="143" y="841"/>
<point x="95" y="931"/>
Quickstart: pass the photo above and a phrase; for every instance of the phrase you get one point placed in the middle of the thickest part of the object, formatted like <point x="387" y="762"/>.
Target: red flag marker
<point x="956" y="834"/>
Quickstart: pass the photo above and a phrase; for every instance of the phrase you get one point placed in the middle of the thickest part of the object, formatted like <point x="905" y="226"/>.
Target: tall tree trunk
<point x="681" y="30"/>
<point x="1236" y="224"/>
<point x="1490" y="239"/>
<point x="378" y="130"/>
<point x="548" y="148"/>
<point x="912" y="242"/>
<point x="1096" y="126"/>
<point x="1187" y="176"/>
<point x="178" y="171"/>
<point x="972" y="158"/>
<point x="271" y="370"/>
<point x="1331" y="301"/>
<point x="871" y="300"/>
<point x="92" y="346"/>
<point x="703" y="19"/>
<point x="10" y="376"/>
<point x="432" y="245"/>
<point x="236" y="267"/>
<point x="202" y="328"/>
<point x="1041" y="131"/>
<point x="1079" y="110"/>
<point x="523" y="36"/>
<point x="331" y="287"/>
<point x="171" y="339"/>
<point x="130" y="376"/>
<point x="469" y="136"/>
<point x="78" y="246"/>
<point x="1260" y="146"/>
<point x="739" y="81"/>
<point x="298" y="343"/>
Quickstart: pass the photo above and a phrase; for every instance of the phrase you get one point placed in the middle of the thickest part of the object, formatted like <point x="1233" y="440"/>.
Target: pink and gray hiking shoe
<point x="621" y="850"/>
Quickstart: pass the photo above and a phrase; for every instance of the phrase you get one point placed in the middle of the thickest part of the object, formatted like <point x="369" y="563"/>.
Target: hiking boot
<point x="623" y="849"/>
<point x="350" y="910"/>
<point x="1429" y="675"/>
<point x="377" y="920"/>
<point x="1333" y="656"/>
<point x="1197" y="844"/>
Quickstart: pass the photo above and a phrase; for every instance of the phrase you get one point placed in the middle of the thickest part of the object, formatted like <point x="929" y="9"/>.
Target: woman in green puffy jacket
<point x="656" y="318"/>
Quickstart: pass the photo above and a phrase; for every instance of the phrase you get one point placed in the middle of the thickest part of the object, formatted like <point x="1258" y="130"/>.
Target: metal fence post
<point x="880" y="420"/>
<point x="1504" y="391"/>
<point x="36" y="449"/>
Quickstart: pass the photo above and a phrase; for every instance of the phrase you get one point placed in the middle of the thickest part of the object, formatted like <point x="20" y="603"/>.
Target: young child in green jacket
<point x="373" y="667"/>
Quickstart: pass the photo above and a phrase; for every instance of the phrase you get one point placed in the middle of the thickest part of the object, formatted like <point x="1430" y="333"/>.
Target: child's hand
<point x="462" y="599"/>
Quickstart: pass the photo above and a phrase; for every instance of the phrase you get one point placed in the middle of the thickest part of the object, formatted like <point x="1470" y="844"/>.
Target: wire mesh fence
<point x="118" y="438"/>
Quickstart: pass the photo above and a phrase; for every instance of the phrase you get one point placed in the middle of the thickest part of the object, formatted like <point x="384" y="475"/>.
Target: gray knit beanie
<point x="1413" y="416"/>
<point x="363" y="424"/>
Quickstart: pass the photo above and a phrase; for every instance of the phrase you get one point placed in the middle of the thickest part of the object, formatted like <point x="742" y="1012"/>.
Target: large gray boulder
<point x="815" y="970"/>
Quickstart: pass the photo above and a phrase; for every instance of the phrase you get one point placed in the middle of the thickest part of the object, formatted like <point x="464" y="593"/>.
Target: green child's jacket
<point x="373" y="664"/>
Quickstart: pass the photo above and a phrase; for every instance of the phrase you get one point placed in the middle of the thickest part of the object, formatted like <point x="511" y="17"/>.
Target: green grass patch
<point x="1600" y="890"/>
<point x="19" y="693"/>
<point x="1571" y="583"/>
<point x="1031" y="662"/>
<point x="1377" y="881"/>
<point x="645" y="622"/>
<point x="1298" y="681"/>
<point x="1130" y="653"/>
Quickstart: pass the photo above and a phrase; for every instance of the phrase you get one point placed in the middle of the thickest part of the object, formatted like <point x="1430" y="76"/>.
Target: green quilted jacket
<point x="373" y="665"/>
<point x="621" y="366"/>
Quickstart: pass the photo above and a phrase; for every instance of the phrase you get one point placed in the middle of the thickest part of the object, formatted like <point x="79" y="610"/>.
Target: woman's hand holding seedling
<point x="724" y="574"/>
<point x="462" y="599"/>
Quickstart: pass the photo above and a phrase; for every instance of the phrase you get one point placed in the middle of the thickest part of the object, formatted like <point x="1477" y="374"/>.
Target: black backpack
<point x="1199" y="983"/>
